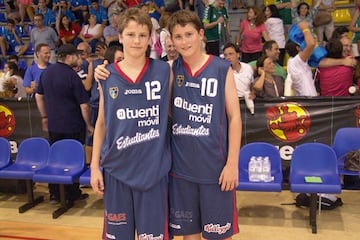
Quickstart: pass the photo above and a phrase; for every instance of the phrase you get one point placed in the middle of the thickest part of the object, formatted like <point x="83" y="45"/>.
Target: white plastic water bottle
<point x="266" y="170"/>
<point x="252" y="170"/>
<point x="249" y="102"/>
<point x="258" y="169"/>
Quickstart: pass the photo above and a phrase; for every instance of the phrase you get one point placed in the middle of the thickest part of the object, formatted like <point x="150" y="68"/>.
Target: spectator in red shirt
<point x="68" y="31"/>
<point x="132" y="3"/>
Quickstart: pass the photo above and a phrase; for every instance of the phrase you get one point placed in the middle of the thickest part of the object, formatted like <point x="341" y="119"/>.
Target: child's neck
<point x="197" y="61"/>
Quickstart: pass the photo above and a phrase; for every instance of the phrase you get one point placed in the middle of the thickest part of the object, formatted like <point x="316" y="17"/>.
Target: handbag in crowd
<point x="323" y="17"/>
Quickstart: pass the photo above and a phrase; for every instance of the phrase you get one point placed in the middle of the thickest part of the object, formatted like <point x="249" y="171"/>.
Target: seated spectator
<point x="243" y="72"/>
<point x="12" y="10"/>
<point x="336" y="80"/>
<point x="111" y="34"/>
<point x="12" y="70"/>
<point x="49" y="15"/>
<point x="99" y="12"/>
<point x="302" y="12"/>
<point x="172" y="54"/>
<point x="68" y="31"/>
<point x="25" y="9"/>
<point x="63" y="9"/>
<point x="267" y="84"/>
<point x="114" y="5"/>
<point x="271" y="50"/>
<point x="133" y="3"/>
<point x="11" y="41"/>
<point x="156" y="8"/>
<point x="298" y="68"/>
<point x="91" y="32"/>
<point x="21" y="69"/>
<point x="33" y="72"/>
<point x="79" y="8"/>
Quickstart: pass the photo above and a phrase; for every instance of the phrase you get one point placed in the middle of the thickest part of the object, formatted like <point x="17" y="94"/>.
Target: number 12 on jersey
<point x="153" y="89"/>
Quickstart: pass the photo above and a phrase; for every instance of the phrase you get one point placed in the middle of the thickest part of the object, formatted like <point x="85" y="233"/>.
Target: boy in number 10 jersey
<point x="131" y="138"/>
<point x="206" y="135"/>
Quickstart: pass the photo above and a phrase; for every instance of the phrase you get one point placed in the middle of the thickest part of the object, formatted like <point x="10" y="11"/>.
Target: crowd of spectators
<point x="260" y="41"/>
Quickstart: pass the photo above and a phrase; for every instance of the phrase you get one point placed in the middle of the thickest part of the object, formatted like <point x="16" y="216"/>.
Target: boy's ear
<point x="120" y="37"/>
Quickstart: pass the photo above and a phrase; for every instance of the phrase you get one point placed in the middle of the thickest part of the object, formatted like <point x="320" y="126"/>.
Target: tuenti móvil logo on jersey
<point x="7" y="122"/>
<point x="288" y="122"/>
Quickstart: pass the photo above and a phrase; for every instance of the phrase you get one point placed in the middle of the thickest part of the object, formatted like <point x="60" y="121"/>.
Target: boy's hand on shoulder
<point x="101" y="73"/>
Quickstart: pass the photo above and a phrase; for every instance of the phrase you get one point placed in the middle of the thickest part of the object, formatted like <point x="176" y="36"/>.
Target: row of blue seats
<point x="64" y="164"/>
<point x="308" y="160"/>
<point x="36" y="161"/>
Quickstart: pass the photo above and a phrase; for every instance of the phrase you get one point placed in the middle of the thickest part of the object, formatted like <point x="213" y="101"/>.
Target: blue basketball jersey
<point x="136" y="149"/>
<point x="199" y="121"/>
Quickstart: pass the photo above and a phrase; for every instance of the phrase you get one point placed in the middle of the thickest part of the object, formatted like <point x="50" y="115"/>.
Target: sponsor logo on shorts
<point x="179" y="214"/>
<point x="145" y="236"/>
<point x="175" y="226"/>
<point x="116" y="218"/>
<point x="110" y="236"/>
<point x="216" y="228"/>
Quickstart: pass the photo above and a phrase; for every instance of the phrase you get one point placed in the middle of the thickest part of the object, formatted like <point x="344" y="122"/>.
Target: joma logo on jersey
<point x="128" y="113"/>
<point x="132" y="91"/>
<point x="114" y="92"/>
<point x="192" y="85"/>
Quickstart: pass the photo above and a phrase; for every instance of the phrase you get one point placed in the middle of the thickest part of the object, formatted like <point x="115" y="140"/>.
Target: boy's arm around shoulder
<point x="97" y="182"/>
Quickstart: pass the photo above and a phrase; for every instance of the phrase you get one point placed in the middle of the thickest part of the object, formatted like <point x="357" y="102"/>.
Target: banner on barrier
<point x="283" y="122"/>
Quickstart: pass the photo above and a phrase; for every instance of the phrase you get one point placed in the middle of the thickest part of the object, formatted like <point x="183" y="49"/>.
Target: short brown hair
<point x="184" y="17"/>
<point x="136" y="15"/>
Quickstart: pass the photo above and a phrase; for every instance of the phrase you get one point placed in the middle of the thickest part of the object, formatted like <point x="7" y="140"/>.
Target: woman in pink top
<point x="250" y="35"/>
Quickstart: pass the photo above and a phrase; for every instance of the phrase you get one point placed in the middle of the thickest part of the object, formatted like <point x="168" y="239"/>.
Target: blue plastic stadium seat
<point x="314" y="160"/>
<point x="5" y="152"/>
<point x="260" y="149"/>
<point x="65" y="165"/>
<point x="345" y="140"/>
<point x="30" y="50"/>
<point x="2" y="18"/>
<point x="85" y="177"/>
<point x="32" y="155"/>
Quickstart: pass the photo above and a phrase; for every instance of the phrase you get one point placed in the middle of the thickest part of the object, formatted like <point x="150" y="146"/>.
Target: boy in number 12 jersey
<point x="131" y="139"/>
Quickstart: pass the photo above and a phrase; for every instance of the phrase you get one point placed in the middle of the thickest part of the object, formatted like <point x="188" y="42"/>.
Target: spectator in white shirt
<point x="243" y="72"/>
